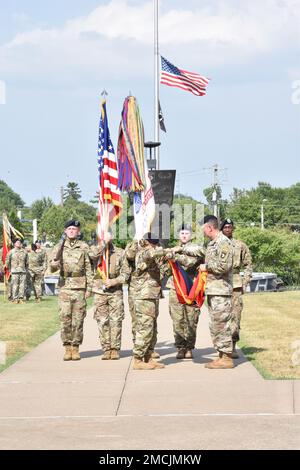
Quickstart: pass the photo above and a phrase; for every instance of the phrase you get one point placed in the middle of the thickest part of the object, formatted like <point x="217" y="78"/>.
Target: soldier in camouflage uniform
<point x="219" y="265"/>
<point x="146" y="302"/>
<point x="108" y="296"/>
<point x="131" y="250"/>
<point x="241" y="262"/>
<point x="17" y="263"/>
<point x="37" y="265"/>
<point x="184" y="317"/>
<point x="72" y="259"/>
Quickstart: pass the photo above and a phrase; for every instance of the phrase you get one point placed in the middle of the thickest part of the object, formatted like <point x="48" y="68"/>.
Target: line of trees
<point x="274" y="249"/>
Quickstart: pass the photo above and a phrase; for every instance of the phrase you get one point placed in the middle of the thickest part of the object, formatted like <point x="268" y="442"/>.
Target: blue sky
<point x="56" y="57"/>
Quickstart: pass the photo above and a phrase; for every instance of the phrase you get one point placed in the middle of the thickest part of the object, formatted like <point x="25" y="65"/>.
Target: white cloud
<point x="119" y="34"/>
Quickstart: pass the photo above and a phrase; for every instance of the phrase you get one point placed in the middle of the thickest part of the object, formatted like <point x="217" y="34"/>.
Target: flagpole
<point x="156" y="84"/>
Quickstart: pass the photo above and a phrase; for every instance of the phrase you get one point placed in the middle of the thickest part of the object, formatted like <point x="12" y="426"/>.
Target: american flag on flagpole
<point x="190" y="81"/>
<point x="110" y="199"/>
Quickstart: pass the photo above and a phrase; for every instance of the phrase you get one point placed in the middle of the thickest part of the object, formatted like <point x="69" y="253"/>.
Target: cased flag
<point x="188" y="292"/>
<point x="190" y="81"/>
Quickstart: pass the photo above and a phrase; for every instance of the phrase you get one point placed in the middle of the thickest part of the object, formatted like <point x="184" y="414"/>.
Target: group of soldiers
<point x="143" y="265"/>
<point x="26" y="265"/>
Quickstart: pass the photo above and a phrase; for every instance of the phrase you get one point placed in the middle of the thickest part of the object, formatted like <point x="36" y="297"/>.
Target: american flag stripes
<point x="190" y="81"/>
<point x="110" y="200"/>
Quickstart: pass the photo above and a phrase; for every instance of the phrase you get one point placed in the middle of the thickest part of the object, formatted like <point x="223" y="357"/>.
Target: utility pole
<point x="156" y="84"/>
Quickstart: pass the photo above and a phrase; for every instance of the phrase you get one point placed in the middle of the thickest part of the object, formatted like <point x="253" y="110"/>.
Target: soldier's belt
<point x="69" y="274"/>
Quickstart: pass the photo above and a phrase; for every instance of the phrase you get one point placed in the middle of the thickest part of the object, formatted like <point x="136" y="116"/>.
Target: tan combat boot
<point x="188" y="354"/>
<point x="157" y="365"/>
<point x="106" y="355"/>
<point x="224" y="362"/>
<point x="155" y="355"/>
<point x="139" y="364"/>
<point x="68" y="353"/>
<point x="234" y="354"/>
<point x="114" y="354"/>
<point x="75" y="353"/>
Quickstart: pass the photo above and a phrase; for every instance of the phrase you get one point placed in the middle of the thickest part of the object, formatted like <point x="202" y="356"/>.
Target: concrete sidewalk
<point x="46" y="403"/>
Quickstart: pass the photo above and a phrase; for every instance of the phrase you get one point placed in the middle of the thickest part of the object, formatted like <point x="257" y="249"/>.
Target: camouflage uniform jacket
<point x="118" y="268"/>
<point x="131" y="250"/>
<point x="74" y="265"/>
<point x="17" y="261"/>
<point x="36" y="262"/>
<point x="219" y="264"/>
<point x="189" y="264"/>
<point x="148" y="285"/>
<point x="242" y="261"/>
<point x="43" y="254"/>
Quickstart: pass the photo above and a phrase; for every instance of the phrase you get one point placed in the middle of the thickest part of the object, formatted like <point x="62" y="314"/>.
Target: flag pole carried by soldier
<point x="72" y="259"/>
<point x="219" y="266"/>
<point x="108" y="295"/>
<point x="242" y="261"/>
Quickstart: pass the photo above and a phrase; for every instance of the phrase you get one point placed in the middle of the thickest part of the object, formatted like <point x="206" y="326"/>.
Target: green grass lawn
<point x="270" y="330"/>
<point x="24" y="326"/>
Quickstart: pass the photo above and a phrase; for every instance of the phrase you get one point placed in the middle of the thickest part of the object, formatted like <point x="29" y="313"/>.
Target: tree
<point x="9" y="200"/>
<point x="54" y="219"/>
<point x="72" y="192"/>
<point x="276" y="251"/>
<point x="39" y="206"/>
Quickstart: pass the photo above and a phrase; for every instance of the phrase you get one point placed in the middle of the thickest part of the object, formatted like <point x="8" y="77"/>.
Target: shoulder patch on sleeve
<point x="224" y="252"/>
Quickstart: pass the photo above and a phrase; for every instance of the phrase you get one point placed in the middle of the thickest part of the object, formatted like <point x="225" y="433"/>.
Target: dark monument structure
<point x="163" y="182"/>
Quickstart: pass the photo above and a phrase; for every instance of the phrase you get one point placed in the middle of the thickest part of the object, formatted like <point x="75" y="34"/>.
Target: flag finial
<point x="104" y="93"/>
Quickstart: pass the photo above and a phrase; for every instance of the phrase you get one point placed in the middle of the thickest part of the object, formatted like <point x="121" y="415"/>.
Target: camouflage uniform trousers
<point x="18" y="285"/>
<point x="146" y="311"/>
<point x="28" y="285"/>
<point x="72" y="307"/>
<point x="36" y="282"/>
<point x="237" y="308"/>
<point x="219" y="309"/>
<point x="132" y="312"/>
<point x="185" y="321"/>
<point x="109" y="314"/>
<point x="131" y="303"/>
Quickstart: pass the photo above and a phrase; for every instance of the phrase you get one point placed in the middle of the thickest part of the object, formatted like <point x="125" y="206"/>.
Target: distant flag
<point x="161" y="118"/>
<point x="190" y="81"/>
<point x="9" y="234"/>
<point x="110" y="199"/>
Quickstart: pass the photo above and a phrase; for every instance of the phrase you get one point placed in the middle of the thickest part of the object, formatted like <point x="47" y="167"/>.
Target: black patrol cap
<point x="186" y="227"/>
<point x="226" y="222"/>
<point x="151" y="238"/>
<point x="72" y="223"/>
<point x="38" y="241"/>
<point x="16" y="240"/>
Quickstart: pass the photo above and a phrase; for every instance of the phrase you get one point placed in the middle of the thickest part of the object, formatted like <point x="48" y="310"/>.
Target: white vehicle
<point x="263" y="282"/>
